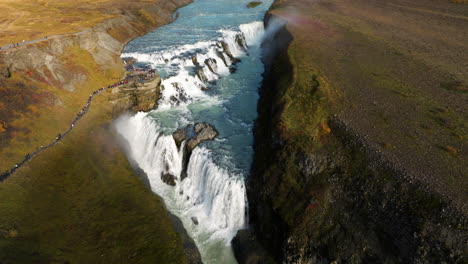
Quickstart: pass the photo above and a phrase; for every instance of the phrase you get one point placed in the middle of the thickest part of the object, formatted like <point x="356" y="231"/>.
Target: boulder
<point x="240" y="40"/>
<point x="194" y="220"/>
<point x="204" y="131"/>
<point x="201" y="75"/>
<point x="168" y="179"/>
<point x="198" y="127"/>
<point x="254" y="4"/>
<point x="227" y="50"/>
<point x="179" y="135"/>
<point x="212" y="65"/>
<point x="195" y="61"/>
<point x="201" y="132"/>
<point x="221" y="56"/>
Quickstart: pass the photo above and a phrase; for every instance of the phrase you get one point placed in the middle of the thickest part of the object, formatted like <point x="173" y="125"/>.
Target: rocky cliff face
<point x="49" y="61"/>
<point x="57" y="75"/>
<point x="135" y="96"/>
<point x="42" y="88"/>
<point x="333" y="198"/>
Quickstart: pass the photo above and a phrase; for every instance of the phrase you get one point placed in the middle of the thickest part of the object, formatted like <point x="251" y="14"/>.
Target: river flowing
<point x="209" y="61"/>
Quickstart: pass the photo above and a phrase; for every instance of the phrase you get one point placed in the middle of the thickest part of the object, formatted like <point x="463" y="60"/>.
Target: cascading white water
<point x="185" y="86"/>
<point x="211" y="200"/>
<point x="209" y="195"/>
<point x="253" y="32"/>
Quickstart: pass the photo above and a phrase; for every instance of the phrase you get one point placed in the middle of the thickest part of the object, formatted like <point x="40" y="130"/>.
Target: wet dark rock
<point x="168" y="179"/>
<point x="227" y="50"/>
<point x="240" y="40"/>
<point x="235" y="61"/>
<point x="195" y="61"/>
<point x="201" y="75"/>
<point x="194" y="220"/>
<point x="212" y="65"/>
<point x="199" y="127"/>
<point x="248" y="250"/>
<point x="179" y="136"/>
<point x="201" y="132"/>
<point x="204" y="132"/>
<point x="221" y="56"/>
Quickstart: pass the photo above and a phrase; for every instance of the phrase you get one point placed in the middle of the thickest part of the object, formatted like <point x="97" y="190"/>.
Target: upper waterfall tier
<point x="193" y="68"/>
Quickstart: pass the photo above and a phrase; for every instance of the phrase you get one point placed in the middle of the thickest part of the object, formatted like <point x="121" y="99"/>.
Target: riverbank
<point x="360" y="141"/>
<point x="78" y="201"/>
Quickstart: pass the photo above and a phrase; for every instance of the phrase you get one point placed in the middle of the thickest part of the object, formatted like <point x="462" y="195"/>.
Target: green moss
<point x="253" y="4"/>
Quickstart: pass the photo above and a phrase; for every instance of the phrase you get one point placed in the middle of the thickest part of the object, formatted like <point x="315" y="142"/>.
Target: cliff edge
<point x="79" y="201"/>
<point x="360" y="144"/>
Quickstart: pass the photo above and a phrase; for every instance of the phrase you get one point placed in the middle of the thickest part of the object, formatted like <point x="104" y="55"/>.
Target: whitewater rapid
<point x="211" y="201"/>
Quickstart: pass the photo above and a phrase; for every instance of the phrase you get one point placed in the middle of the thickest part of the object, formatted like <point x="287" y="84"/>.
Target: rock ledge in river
<point x="204" y="131"/>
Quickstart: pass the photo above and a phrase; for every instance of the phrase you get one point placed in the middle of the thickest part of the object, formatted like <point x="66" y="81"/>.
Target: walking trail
<point x="15" y="45"/>
<point x="5" y="175"/>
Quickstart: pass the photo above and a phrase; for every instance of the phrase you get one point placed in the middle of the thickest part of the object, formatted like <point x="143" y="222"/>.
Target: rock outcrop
<point x="168" y="179"/>
<point x="200" y="132"/>
<point x="179" y="135"/>
<point x="136" y="96"/>
<point x="211" y="64"/>
<point x="203" y="131"/>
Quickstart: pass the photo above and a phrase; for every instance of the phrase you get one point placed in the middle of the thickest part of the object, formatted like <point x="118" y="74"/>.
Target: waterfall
<point x="253" y="32"/>
<point x="209" y="194"/>
<point x="192" y="64"/>
<point x="211" y="201"/>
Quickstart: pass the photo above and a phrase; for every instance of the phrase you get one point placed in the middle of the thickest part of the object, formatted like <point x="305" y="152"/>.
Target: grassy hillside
<point x="33" y="19"/>
<point x="79" y="202"/>
<point x="361" y="139"/>
<point x="57" y="76"/>
<point x="35" y="111"/>
<point x="400" y="75"/>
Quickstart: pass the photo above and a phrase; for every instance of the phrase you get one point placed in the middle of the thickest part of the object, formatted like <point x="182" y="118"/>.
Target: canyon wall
<point x="322" y="191"/>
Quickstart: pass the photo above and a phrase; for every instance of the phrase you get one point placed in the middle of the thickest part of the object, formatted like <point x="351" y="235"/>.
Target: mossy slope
<point x="79" y="202"/>
<point x="336" y="176"/>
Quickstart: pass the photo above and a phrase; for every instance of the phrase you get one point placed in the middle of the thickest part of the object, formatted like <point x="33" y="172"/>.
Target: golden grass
<point x="34" y="124"/>
<point x="79" y="202"/>
<point x="33" y="19"/>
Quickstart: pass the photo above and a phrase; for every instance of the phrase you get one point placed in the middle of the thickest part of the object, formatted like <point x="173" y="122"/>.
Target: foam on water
<point x="211" y="201"/>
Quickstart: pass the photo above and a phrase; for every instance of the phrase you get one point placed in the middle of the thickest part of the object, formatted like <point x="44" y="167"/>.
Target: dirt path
<point x="15" y="45"/>
<point x="5" y="175"/>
